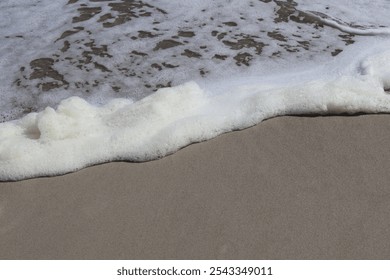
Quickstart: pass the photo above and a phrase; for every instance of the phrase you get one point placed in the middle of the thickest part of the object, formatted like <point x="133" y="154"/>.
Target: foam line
<point x="326" y="20"/>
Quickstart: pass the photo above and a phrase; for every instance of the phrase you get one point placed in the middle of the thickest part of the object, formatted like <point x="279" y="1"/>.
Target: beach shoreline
<point x="288" y="188"/>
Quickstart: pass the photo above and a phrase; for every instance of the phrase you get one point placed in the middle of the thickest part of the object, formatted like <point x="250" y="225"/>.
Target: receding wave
<point x="88" y="82"/>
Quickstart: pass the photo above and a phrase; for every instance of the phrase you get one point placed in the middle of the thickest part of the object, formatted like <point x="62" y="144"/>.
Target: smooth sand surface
<point x="289" y="188"/>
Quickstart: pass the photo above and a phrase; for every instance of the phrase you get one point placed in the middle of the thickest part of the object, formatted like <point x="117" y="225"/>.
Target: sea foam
<point x="88" y="129"/>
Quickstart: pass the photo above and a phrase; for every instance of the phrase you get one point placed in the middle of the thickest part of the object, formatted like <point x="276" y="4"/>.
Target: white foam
<point x="95" y="127"/>
<point x="78" y="134"/>
<point x="342" y="26"/>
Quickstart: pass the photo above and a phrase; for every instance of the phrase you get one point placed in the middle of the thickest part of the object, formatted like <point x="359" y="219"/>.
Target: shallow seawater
<point x="89" y="81"/>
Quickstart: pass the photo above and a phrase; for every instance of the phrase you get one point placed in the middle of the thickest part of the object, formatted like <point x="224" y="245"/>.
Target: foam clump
<point x="77" y="133"/>
<point x="378" y="66"/>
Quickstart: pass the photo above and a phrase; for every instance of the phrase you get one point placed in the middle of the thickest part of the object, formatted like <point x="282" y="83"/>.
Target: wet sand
<point x="289" y="188"/>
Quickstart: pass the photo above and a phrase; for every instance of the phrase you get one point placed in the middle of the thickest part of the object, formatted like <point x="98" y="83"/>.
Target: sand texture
<point x="289" y="188"/>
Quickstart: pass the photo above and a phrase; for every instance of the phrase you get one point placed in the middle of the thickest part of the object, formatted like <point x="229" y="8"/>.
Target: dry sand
<point x="289" y="188"/>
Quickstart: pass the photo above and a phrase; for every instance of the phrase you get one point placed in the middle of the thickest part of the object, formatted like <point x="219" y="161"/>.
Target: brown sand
<point x="289" y="188"/>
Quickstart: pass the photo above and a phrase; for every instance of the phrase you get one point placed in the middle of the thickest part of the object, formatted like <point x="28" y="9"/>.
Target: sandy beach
<point x="289" y="188"/>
